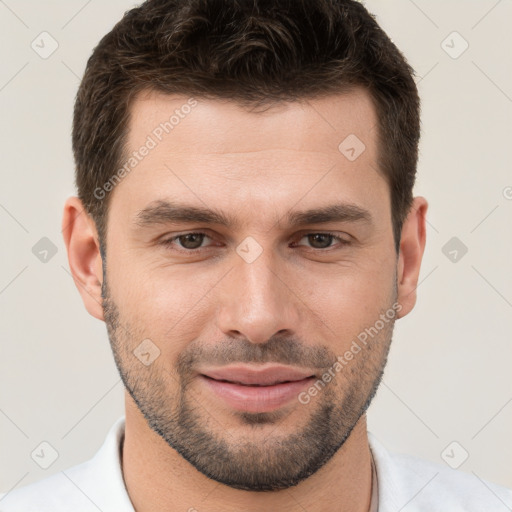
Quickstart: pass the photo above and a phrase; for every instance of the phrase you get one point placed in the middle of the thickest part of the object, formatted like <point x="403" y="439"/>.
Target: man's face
<point x="268" y="287"/>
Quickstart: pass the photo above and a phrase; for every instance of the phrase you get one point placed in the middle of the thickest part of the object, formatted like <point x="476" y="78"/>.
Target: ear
<point x="412" y="245"/>
<point x="82" y="245"/>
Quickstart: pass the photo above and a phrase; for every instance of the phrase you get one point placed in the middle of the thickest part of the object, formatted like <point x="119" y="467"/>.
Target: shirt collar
<point x="101" y="478"/>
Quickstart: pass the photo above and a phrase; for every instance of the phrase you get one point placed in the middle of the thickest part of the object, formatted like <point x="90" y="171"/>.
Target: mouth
<point x="256" y="389"/>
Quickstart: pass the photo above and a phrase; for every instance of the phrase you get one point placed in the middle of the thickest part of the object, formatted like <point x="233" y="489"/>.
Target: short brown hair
<point x="254" y="52"/>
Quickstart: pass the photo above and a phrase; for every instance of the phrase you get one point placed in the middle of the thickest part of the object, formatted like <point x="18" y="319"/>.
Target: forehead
<point x="314" y="124"/>
<point x="207" y="152"/>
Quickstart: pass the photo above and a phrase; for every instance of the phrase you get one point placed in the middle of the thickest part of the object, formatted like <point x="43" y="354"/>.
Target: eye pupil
<point x="320" y="236"/>
<point x="196" y="240"/>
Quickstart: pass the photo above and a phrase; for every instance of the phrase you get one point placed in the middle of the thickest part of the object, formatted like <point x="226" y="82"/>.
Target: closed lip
<point x="261" y="375"/>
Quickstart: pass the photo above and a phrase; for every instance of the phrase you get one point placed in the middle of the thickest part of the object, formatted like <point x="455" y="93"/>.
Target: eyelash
<point x="169" y="242"/>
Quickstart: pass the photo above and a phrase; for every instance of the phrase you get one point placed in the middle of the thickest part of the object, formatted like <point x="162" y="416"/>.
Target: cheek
<point x="349" y="299"/>
<point x="167" y="305"/>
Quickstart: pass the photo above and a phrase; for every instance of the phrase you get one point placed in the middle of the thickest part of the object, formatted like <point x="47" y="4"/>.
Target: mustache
<point x="280" y="350"/>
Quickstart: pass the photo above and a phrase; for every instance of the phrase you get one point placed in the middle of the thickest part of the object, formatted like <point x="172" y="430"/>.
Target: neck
<point x="159" y="479"/>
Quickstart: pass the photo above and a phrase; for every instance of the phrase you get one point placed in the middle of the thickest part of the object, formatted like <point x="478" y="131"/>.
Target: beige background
<point x="449" y="375"/>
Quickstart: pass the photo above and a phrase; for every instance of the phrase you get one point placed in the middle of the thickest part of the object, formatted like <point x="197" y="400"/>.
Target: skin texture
<point x="302" y="302"/>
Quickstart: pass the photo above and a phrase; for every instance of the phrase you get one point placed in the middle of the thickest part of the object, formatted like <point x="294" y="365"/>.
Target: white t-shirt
<point x="404" y="483"/>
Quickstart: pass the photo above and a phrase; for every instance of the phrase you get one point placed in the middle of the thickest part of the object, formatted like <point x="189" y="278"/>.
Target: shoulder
<point x="90" y="486"/>
<point x="413" y="484"/>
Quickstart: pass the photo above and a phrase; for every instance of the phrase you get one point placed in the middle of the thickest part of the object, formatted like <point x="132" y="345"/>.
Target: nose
<point x="258" y="300"/>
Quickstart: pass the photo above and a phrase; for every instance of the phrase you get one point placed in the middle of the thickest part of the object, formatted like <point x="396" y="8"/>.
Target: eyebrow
<point x="167" y="212"/>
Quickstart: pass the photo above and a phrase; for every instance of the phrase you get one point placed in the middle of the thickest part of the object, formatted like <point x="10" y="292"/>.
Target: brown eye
<point x="188" y="242"/>
<point x="191" y="240"/>
<point x="320" y="240"/>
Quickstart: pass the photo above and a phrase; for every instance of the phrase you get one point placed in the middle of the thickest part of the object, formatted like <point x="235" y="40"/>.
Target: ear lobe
<point x="82" y="245"/>
<point x="412" y="246"/>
